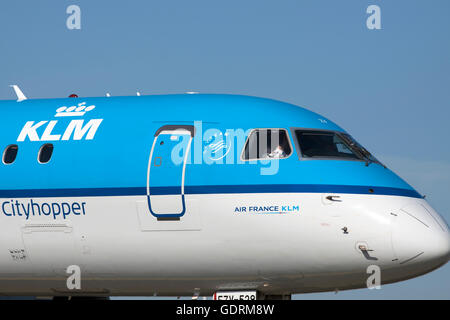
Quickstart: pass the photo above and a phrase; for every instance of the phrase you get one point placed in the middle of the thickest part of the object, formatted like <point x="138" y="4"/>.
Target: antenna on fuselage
<point x="19" y="93"/>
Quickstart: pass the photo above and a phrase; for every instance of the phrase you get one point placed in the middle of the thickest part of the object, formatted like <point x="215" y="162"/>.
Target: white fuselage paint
<point x="123" y="250"/>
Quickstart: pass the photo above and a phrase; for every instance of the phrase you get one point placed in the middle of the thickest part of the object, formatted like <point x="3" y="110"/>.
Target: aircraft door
<point x="166" y="171"/>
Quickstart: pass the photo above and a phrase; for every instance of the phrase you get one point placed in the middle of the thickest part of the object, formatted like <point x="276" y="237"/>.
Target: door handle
<point x="365" y="251"/>
<point x="334" y="198"/>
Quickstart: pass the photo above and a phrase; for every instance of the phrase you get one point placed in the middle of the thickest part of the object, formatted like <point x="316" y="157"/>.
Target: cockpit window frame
<point x="289" y="138"/>
<point x="300" y="153"/>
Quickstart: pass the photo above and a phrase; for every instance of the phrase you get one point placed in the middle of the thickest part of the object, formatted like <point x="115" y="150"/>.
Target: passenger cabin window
<point x="10" y="154"/>
<point x="264" y="144"/>
<point x="324" y="144"/>
<point x="45" y="153"/>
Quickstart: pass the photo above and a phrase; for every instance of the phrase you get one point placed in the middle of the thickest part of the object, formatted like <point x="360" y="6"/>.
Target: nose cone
<point x="420" y="238"/>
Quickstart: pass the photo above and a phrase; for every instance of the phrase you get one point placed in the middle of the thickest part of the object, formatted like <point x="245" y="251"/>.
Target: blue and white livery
<point x="194" y="194"/>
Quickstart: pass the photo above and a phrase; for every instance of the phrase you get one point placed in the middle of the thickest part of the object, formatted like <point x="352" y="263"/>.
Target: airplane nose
<point x="420" y="236"/>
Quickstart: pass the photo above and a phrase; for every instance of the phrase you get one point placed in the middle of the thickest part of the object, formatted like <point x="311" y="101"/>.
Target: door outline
<point x="170" y="129"/>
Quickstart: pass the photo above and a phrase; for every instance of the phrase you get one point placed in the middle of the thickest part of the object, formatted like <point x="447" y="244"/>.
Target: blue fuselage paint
<point x="105" y="152"/>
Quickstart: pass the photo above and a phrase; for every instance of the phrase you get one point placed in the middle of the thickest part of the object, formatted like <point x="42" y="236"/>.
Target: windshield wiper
<point x="363" y="153"/>
<point x="367" y="155"/>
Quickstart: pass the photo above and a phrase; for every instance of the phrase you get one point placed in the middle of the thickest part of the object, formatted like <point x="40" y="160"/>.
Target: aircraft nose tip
<point x="448" y="246"/>
<point x="421" y="245"/>
<point x="417" y="238"/>
<point x="437" y="247"/>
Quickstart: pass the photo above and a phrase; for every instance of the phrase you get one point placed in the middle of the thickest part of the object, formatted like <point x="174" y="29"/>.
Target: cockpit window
<point x="321" y="144"/>
<point x="264" y="144"/>
<point x="324" y="144"/>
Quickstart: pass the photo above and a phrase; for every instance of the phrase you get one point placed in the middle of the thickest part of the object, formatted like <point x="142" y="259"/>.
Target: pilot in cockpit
<point x="278" y="152"/>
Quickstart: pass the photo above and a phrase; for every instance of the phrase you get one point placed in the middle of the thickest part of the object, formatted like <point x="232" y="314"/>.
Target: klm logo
<point x="77" y="129"/>
<point x="74" y="111"/>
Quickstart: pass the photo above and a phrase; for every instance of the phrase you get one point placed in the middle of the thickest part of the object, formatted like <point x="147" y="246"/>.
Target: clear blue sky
<point x="389" y="88"/>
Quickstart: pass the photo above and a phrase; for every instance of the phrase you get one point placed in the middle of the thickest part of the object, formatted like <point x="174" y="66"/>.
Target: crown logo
<point x="74" y="111"/>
